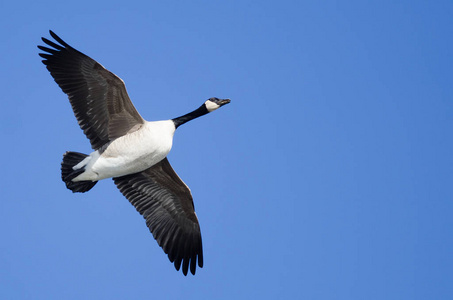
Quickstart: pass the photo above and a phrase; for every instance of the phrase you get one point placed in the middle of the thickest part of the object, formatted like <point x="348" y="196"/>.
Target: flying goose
<point x="128" y="149"/>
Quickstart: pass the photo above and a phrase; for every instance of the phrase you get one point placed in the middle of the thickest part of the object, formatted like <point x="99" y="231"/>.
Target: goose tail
<point x="70" y="159"/>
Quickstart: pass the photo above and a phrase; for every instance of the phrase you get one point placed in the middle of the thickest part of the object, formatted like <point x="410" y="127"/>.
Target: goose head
<point x="214" y="103"/>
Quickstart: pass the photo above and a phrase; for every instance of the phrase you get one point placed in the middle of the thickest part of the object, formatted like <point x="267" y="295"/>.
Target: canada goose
<point x="128" y="149"/>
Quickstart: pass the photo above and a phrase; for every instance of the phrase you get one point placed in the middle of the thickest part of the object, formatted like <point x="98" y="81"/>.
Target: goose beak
<point x="224" y="101"/>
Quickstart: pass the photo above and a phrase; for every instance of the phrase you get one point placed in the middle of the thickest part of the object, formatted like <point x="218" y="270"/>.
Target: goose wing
<point x="163" y="199"/>
<point x="98" y="97"/>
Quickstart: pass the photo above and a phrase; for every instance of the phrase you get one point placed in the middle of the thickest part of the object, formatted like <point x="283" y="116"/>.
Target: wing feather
<point x="98" y="97"/>
<point x="165" y="202"/>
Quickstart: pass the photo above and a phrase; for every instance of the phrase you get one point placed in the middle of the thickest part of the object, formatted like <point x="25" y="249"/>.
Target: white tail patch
<point x="83" y="163"/>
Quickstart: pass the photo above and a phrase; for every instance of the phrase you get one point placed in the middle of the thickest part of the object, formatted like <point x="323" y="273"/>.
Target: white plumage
<point x="130" y="153"/>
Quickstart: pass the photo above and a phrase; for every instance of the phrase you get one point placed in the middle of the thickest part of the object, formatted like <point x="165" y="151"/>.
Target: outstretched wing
<point x="166" y="203"/>
<point x="98" y="97"/>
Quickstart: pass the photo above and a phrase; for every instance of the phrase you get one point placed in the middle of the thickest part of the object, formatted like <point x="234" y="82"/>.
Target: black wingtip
<point x="177" y="264"/>
<point x="58" y="39"/>
<point x="200" y="260"/>
<point x="185" y="265"/>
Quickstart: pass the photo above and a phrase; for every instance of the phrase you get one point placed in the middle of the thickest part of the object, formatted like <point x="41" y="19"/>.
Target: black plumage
<point x="163" y="199"/>
<point x="98" y="97"/>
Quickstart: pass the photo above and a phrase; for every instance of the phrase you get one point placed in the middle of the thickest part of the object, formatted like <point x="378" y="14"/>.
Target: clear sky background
<point x="329" y="176"/>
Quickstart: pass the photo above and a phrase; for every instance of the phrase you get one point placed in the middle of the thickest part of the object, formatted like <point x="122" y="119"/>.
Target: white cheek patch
<point x="211" y="106"/>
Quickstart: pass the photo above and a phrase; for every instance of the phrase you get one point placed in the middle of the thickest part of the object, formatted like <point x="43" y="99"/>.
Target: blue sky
<point x="329" y="176"/>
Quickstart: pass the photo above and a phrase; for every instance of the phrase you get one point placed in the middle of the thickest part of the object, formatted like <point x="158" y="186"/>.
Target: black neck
<point x="202" y="110"/>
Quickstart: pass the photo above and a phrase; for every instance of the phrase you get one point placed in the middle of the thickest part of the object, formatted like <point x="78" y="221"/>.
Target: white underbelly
<point x="128" y="154"/>
<point x="127" y="162"/>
